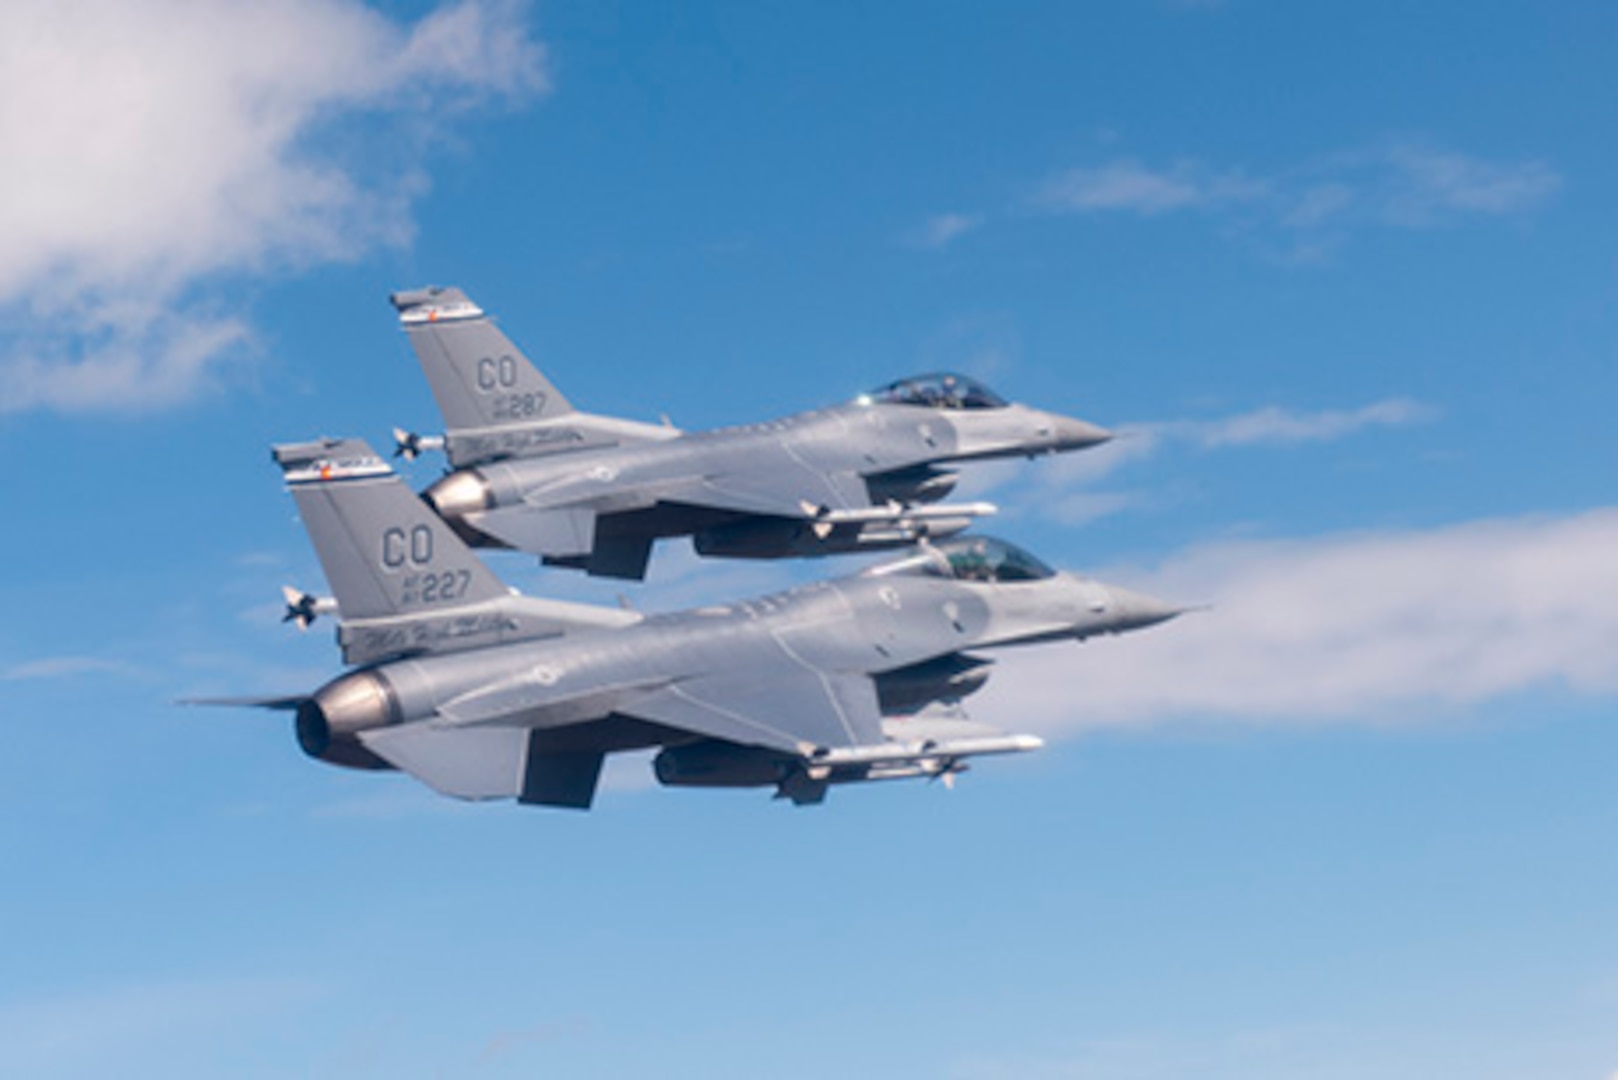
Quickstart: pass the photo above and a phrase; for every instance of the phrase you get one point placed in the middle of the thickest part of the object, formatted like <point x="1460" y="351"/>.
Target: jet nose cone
<point x="1133" y="610"/>
<point x="1072" y="434"/>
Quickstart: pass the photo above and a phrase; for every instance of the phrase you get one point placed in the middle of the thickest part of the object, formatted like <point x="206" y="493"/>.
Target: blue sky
<point x="1345" y="274"/>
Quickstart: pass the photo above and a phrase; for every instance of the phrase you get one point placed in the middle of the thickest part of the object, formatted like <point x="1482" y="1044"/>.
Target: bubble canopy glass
<point x="971" y="558"/>
<point x="944" y="390"/>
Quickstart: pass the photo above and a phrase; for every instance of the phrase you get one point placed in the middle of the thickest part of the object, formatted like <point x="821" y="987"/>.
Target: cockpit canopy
<point x="971" y="558"/>
<point x="944" y="390"/>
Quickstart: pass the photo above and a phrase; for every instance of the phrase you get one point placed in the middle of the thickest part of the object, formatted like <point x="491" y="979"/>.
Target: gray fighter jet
<point x="594" y="492"/>
<point x="482" y="693"/>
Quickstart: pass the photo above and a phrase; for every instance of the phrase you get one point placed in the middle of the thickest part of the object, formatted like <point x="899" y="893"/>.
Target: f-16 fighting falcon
<point x="594" y="492"/>
<point x="482" y="693"/>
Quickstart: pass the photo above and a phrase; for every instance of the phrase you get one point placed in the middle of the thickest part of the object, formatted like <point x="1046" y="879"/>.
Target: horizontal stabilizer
<point x="569" y="537"/>
<point x="489" y="763"/>
<point x="433" y="304"/>
<point x="557" y="533"/>
<point x="467" y="763"/>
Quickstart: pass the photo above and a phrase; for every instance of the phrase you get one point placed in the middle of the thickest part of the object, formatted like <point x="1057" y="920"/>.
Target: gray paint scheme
<point x="594" y="492"/>
<point x="481" y="693"/>
<point x="404" y="583"/>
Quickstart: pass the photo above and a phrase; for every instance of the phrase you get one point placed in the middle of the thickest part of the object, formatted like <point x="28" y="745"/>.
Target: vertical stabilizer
<point x="496" y="404"/>
<point x="480" y="379"/>
<point x="384" y="551"/>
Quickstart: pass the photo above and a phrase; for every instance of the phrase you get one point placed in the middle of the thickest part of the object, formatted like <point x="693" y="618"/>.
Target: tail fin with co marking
<point x="384" y="551"/>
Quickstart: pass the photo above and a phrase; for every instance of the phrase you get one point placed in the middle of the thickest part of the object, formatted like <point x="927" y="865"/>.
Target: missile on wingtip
<point x="896" y="753"/>
<point x="899" y="522"/>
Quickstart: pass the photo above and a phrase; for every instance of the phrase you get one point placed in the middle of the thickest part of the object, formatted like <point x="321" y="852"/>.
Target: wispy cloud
<point x="155" y="149"/>
<point x="1398" y="184"/>
<point x="66" y="667"/>
<point x="943" y="229"/>
<point x="1126" y="185"/>
<point x="1274" y="425"/>
<point x="1422" y="186"/>
<point x="1062" y="489"/>
<point x="142" y="357"/>
<point x="1367" y="627"/>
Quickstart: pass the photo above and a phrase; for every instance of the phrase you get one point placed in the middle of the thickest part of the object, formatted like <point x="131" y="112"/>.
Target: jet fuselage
<point x="861" y="453"/>
<point x="875" y="623"/>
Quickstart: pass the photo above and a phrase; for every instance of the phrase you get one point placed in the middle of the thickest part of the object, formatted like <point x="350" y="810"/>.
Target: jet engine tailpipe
<point x="329" y="723"/>
<point x="457" y="495"/>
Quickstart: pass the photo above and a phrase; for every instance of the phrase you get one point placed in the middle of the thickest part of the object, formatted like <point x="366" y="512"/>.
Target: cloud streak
<point x="154" y="149"/>
<point x="1302" y="212"/>
<point x="943" y="229"/>
<point x="68" y="667"/>
<point x="1277" y="426"/>
<point x="1126" y="185"/>
<point x="1398" y="184"/>
<point x="1378" y="628"/>
<point x="1058" y="492"/>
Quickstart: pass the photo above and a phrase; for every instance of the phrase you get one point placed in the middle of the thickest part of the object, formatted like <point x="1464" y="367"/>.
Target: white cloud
<point x="64" y="667"/>
<point x="1316" y="204"/>
<point x="943" y="229"/>
<point x="1127" y="185"/>
<point x="1076" y="508"/>
<point x="1060" y="490"/>
<point x="97" y="360"/>
<point x="1277" y="425"/>
<point x="1428" y="184"/>
<point x="153" y="147"/>
<point x="1393" y="185"/>
<point x="1371" y="628"/>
